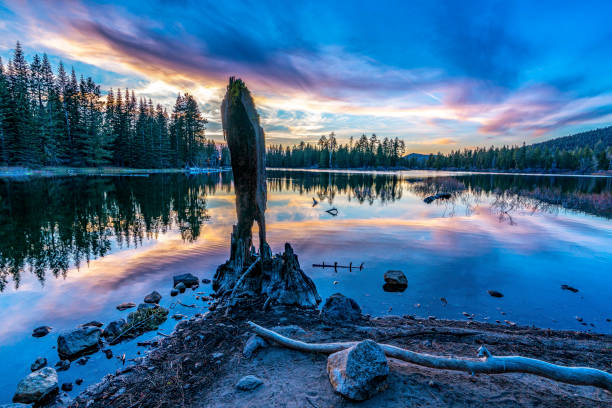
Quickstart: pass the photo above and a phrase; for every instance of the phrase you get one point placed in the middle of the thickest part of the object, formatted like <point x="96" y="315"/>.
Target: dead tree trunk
<point x="272" y="276"/>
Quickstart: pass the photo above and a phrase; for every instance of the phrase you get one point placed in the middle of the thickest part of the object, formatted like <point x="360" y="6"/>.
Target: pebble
<point x="174" y="292"/>
<point x="126" y="305"/>
<point x="217" y="355"/>
<point x="63" y="365"/>
<point x="67" y="387"/>
<point x="249" y="383"/>
<point x="108" y="353"/>
<point x="41" y="331"/>
<point x="78" y="381"/>
<point x="82" y="361"/>
<point x="495" y="293"/>
<point x="579" y="318"/>
<point x="206" y="281"/>
<point x="38" y="364"/>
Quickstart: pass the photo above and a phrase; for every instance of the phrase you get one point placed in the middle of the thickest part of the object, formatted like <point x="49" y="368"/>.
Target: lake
<point x="72" y="248"/>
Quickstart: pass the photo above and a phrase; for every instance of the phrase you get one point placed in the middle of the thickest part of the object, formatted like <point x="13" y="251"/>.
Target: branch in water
<point x="487" y="364"/>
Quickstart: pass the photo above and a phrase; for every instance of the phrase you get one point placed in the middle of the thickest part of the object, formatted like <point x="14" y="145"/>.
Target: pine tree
<point x="5" y="103"/>
<point x="20" y="121"/>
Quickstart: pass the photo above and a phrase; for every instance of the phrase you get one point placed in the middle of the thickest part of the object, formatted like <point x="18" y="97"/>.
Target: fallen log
<point x="486" y="364"/>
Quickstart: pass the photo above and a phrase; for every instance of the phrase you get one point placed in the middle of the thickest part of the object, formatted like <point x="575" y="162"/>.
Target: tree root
<point x="487" y="364"/>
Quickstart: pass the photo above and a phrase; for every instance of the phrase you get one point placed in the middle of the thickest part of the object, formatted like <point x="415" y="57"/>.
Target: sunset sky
<point x="441" y="75"/>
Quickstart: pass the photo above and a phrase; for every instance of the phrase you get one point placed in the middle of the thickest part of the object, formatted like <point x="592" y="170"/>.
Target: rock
<point x="249" y="383"/>
<point x="38" y="364"/>
<point x="174" y="292"/>
<point x="153" y="297"/>
<point x="338" y="308"/>
<point x="178" y="316"/>
<point x="206" y="281"/>
<point x="359" y="372"/>
<point x="567" y="287"/>
<point x="444" y="301"/>
<point x="187" y="279"/>
<point x="82" y="361"/>
<point x="62" y="365"/>
<point x="114" y="328"/>
<point x="146" y="306"/>
<point x="78" y="381"/>
<point x="41" y="331"/>
<point x="495" y="293"/>
<point x="126" y="305"/>
<point x="93" y="323"/>
<point x="289" y="331"/>
<point x="217" y="356"/>
<point x="395" y="278"/>
<point x="579" y="318"/>
<point x="78" y="341"/>
<point x="253" y="344"/>
<point x="181" y="287"/>
<point x="67" y="387"/>
<point x="36" y="386"/>
<point x="108" y="353"/>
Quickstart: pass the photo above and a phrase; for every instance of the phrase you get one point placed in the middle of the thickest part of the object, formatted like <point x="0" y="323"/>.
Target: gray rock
<point x="93" y="323"/>
<point x="396" y="278"/>
<point x="289" y="331"/>
<point x="249" y="383"/>
<point x="36" y="386"/>
<point x="113" y="329"/>
<point x="146" y="306"/>
<point x="126" y="305"/>
<point x="78" y="341"/>
<point x="181" y="287"/>
<point x="153" y="297"/>
<point x="41" y="331"/>
<point x="339" y="308"/>
<point x="253" y="344"/>
<point x="67" y="387"/>
<point x="62" y="365"/>
<point x="187" y="279"/>
<point x="38" y="364"/>
<point x="358" y="372"/>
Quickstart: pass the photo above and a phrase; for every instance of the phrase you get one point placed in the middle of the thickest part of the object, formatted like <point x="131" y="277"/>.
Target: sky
<point x="441" y="75"/>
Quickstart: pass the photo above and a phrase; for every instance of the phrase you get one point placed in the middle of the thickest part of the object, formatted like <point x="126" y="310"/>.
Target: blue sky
<point x="441" y="75"/>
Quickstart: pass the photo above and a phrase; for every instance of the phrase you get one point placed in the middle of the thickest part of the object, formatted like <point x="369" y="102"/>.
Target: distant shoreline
<point x="59" y="171"/>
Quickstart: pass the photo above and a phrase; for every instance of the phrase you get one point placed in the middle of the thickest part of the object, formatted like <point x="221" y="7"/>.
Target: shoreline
<point x="59" y="171"/>
<point x="199" y="364"/>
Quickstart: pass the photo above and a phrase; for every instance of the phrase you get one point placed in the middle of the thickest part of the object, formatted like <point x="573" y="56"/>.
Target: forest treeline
<point x="52" y="118"/>
<point x="584" y="152"/>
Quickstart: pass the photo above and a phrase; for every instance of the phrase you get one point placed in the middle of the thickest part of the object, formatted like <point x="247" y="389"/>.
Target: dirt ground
<point x="184" y="370"/>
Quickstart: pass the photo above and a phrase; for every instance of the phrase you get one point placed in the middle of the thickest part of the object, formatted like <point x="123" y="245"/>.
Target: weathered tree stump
<point x="248" y="273"/>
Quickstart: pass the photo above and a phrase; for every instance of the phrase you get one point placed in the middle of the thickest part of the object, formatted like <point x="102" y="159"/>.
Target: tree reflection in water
<point x="48" y="225"/>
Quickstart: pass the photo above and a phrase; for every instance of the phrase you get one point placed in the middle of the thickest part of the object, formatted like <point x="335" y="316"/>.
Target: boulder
<point x="113" y="329"/>
<point x="338" y="308"/>
<point x="36" y="386"/>
<point x="187" y="279"/>
<point x="180" y="287"/>
<point x="38" y="364"/>
<point x="359" y="372"/>
<point x="395" y="281"/>
<point x="248" y="383"/>
<point x="253" y="344"/>
<point x="126" y="305"/>
<point x="41" y="331"/>
<point x="153" y="297"/>
<point x="78" y="341"/>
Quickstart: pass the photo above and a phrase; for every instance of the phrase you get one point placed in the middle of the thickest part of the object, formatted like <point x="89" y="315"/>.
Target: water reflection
<point x="48" y="225"/>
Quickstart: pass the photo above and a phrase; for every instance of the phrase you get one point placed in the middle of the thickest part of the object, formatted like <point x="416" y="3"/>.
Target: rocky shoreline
<point x="215" y="361"/>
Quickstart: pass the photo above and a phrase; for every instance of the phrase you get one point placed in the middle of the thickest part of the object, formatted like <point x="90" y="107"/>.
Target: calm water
<point x="71" y="249"/>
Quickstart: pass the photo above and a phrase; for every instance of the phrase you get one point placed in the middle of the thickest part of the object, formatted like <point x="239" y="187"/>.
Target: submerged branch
<point x="487" y="364"/>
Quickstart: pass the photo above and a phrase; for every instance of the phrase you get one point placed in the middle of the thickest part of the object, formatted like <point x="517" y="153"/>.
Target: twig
<point x="487" y="364"/>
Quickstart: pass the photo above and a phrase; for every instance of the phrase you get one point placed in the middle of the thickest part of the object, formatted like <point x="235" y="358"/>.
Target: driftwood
<point x="486" y="364"/>
<point x="336" y="266"/>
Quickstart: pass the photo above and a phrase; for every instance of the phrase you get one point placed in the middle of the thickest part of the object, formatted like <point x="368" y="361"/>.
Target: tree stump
<point x="278" y="277"/>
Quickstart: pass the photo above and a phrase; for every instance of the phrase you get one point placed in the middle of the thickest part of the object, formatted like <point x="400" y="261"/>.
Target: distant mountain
<point x="585" y="139"/>
<point x="418" y="157"/>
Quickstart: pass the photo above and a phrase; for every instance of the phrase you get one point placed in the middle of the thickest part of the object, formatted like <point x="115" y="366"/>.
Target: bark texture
<point x="248" y="272"/>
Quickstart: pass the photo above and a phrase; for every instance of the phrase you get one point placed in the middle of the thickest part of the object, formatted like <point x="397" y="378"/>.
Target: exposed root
<point x="487" y="364"/>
